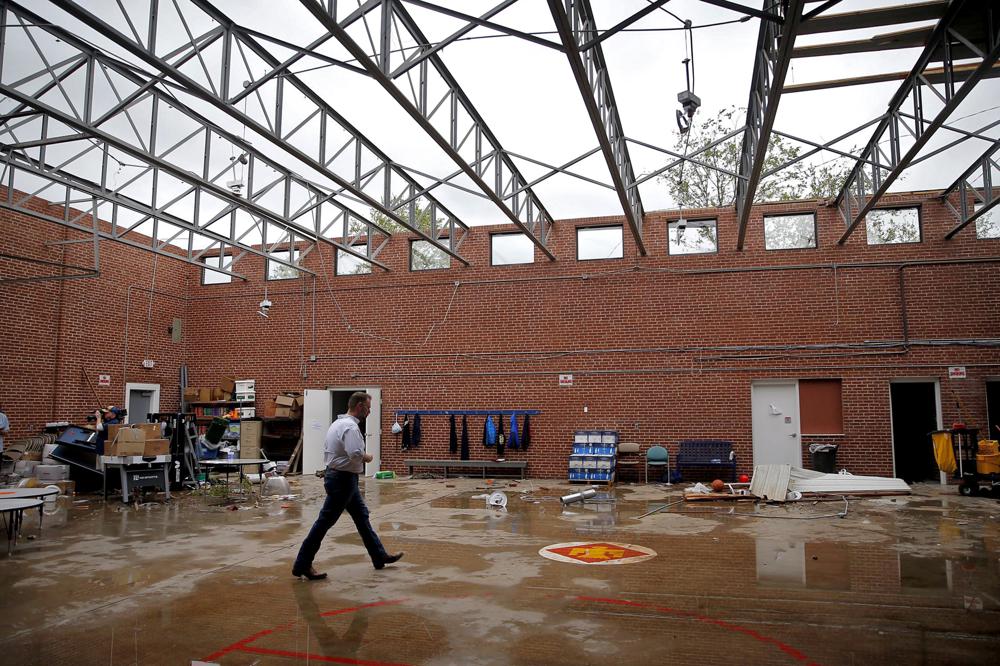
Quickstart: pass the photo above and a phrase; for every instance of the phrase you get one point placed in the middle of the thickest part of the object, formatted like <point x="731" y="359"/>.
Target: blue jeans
<point x="341" y="493"/>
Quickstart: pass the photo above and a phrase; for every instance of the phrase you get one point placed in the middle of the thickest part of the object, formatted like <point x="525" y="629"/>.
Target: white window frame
<point x="876" y="241"/>
<point x="220" y="277"/>
<point x="293" y="257"/>
<point x="527" y="246"/>
<point x="689" y="226"/>
<point x="619" y="246"/>
<point x="445" y="257"/>
<point x="791" y="216"/>
<point x="362" y="267"/>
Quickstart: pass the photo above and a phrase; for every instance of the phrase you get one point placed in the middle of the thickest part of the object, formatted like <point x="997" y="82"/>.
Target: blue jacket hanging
<point x="513" y="441"/>
<point x="490" y="432"/>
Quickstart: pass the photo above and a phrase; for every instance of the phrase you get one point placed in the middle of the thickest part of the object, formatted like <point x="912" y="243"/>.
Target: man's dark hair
<point x="356" y="399"/>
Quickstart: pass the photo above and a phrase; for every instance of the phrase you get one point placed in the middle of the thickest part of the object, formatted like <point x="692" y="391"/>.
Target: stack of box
<point x="225" y="391"/>
<point x="141" y="439"/>
<point x="246" y="392"/>
<point x="288" y="404"/>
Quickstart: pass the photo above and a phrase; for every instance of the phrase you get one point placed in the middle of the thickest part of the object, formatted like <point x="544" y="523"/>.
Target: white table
<point x="138" y="472"/>
<point x="16" y="508"/>
<point x="30" y="493"/>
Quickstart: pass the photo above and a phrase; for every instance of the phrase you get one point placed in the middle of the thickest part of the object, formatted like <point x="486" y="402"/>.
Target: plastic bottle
<point x="231" y="455"/>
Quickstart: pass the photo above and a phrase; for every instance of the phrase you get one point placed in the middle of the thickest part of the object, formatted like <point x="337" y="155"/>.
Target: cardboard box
<point x="250" y="435"/>
<point x="191" y="394"/>
<point x="281" y="411"/>
<point x="147" y="430"/>
<point x="156" y="447"/>
<point x="66" y="487"/>
<point x="219" y="394"/>
<point x="124" y="441"/>
<point x="228" y="385"/>
<point x="47" y="473"/>
<point x="151" y="430"/>
<point x="284" y="400"/>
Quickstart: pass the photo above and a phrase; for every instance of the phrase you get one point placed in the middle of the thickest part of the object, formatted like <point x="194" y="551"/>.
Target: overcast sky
<point x="527" y="94"/>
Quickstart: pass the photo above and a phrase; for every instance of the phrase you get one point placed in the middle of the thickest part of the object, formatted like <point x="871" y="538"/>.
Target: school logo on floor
<point x="602" y="552"/>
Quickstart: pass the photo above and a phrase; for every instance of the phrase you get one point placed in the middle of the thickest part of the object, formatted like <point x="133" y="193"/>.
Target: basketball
<point x="718" y="486"/>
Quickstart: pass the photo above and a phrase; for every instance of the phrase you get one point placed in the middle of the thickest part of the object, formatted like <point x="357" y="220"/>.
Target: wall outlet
<point x="148" y="363"/>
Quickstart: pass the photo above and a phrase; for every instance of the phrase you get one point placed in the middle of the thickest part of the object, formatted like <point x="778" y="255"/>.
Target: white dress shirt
<point x="344" y="449"/>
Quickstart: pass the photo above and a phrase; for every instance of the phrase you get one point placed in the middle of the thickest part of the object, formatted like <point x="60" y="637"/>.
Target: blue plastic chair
<point x="657" y="456"/>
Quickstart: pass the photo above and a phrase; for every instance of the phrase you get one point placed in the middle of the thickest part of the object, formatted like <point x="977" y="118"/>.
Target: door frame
<point x="937" y="407"/>
<point x="798" y="423"/>
<point x="154" y="400"/>
<point x="989" y="379"/>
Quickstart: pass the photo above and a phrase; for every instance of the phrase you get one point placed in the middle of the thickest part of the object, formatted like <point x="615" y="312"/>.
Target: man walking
<point x="344" y="453"/>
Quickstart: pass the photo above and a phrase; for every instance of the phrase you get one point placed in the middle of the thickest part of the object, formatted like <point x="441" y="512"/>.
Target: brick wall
<point x="661" y="347"/>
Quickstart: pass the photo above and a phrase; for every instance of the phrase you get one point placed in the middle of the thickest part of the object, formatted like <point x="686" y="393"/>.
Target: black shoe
<point x="389" y="560"/>
<point x="310" y="574"/>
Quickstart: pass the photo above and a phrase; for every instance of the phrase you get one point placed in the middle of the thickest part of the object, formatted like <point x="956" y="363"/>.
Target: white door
<point x="775" y="413"/>
<point x="140" y="400"/>
<point x="317" y="415"/>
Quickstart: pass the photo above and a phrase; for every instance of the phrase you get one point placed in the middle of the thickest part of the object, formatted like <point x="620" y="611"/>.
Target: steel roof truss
<point x="774" y="48"/>
<point x="463" y="121"/>
<point x="146" y="92"/>
<point x="865" y="187"/>
<point x="575" y="21"/>
<point x="982" y="197"/>
<point x="232" y="61"/>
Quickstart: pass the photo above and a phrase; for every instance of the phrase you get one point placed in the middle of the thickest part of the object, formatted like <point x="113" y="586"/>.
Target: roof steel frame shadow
<point x="985" y="195"/>
<point x="774" y="48"/>
<point x="508" y="190"/>
<point x="362" y="183"/>
<point x="864" y="188"/>
<point x="575" y="21"/>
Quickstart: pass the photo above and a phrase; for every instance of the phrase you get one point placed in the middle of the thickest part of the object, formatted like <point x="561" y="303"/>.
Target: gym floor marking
<point x="601" y="553"/>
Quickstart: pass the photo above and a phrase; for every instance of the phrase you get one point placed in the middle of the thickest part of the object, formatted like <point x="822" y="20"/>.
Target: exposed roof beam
<point x="985" y="196"/>
<point x="904" y="39"/>
<point x="525" y="210"/>
<point x="313" y="153"/>
<point x="774" y="47"/>
<point x="742" y="9"/>
<point x="864" y="188"/>
<point x="576" y="24"/>
<point x="873" y="18"/>
<point x="107" y="74"/>
<point x="931" y="75"/>
<point x="116" y="203"/>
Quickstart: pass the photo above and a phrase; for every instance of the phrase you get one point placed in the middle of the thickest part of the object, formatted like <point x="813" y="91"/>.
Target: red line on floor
<point x="237" y="645"/>
<point x="244" y="643"/>
<point x="318" y="657"/>
<point x="355" y="608"/>
<point x="756" y="635"/>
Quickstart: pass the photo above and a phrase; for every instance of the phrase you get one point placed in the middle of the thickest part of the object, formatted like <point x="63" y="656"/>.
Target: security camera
<point x="265" y="308"/>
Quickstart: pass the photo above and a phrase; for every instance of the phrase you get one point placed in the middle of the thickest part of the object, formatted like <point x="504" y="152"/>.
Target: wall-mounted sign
<point x="104" y="380"/>
<point x="956" y="372"/>
<point x="565" y="380"/>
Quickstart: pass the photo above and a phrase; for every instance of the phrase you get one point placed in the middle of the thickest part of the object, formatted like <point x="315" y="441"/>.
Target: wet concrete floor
<point x="903" y="580"/>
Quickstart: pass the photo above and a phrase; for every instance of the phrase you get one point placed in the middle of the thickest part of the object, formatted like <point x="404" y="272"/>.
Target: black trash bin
<point x="824" y="457"/>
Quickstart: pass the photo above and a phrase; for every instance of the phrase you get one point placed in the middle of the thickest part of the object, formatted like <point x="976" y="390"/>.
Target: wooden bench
<point x="521" y="465"/>
<point x="709" y="453"/>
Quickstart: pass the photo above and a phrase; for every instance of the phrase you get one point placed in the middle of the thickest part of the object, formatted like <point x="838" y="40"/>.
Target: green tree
<point x="423" y="255"/>
<point x="698" y="186"/>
